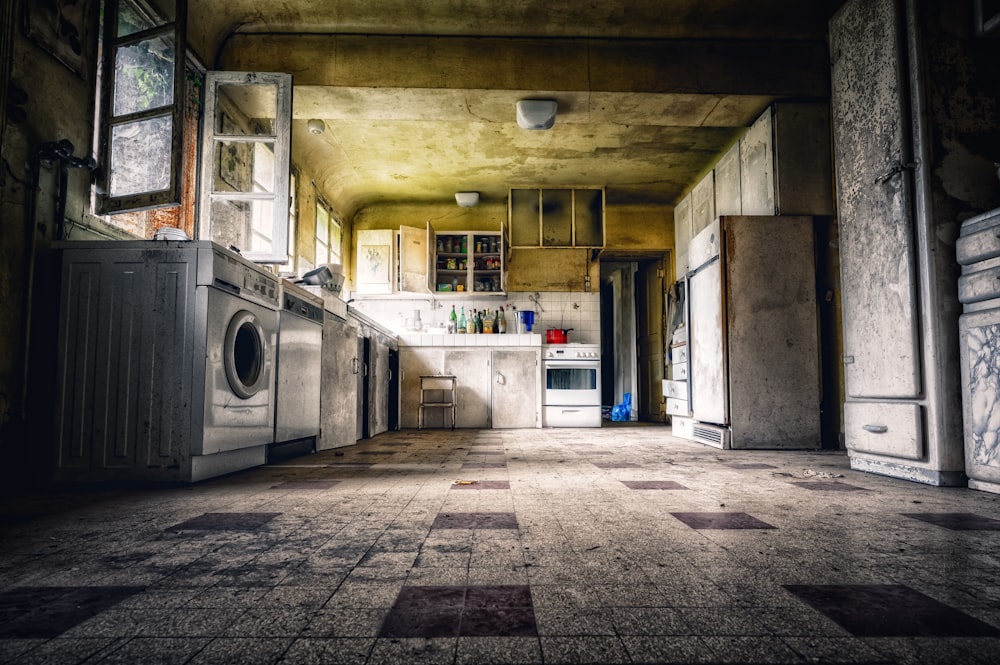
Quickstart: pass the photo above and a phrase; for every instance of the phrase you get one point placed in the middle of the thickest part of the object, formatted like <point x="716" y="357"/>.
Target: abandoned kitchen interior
<point x="365" y="331"/>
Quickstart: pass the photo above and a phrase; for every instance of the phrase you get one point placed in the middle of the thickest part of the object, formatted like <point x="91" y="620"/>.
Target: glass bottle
<point x="470" y="327"/>
<point x="453" y="318"/>
<point x="479" y="322"/>
<point x="487" y="323"/>
<point x="501" y="322"/>
<point x="461" y="321"/>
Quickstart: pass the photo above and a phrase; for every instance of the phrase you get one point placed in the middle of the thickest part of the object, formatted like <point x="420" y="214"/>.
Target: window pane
<point x="335" y="240"/>
<point x="144" y="75"/>
<point x="261" y="226"/>
<point x="246" y="109"/>
<point x="140" y="156"/>
<point x="231" y="223"/>
<point x="132" y="18"/>
<point x="244" y="167"/>
<point x="322" y="253"/>
<point x="322" y="224"/>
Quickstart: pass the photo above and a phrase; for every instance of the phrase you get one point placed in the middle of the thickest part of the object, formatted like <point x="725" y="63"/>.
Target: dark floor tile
<point x="889" y="610"/>
<point x="958" y="521"/>
<point x="481" y="485"/>
<point x="44" y="612"/>
<point x="616" y="465"/>
<point x="475" y="521"/>
<point x="306" y="485"/>
<point x="448" y="611"/>
<point x="721" y="521"/>
<point x="653" y="485"/>
<point x="750" y="465"/>
<point x="225" y="522"/>
<point x="498" y="622"/>
<point x="820" y="485"/>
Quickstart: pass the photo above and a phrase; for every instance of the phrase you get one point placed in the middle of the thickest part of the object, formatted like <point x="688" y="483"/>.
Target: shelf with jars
<point x="469" y="262"/>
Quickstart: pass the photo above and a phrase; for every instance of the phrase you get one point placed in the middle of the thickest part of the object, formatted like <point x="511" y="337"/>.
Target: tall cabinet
<point x="896" y="67"/>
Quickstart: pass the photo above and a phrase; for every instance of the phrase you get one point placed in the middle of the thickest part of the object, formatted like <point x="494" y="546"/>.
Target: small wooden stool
<point x="444" y="383"/>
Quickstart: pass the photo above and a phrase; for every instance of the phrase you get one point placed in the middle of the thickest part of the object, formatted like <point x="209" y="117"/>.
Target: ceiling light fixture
<point x="467" y="199"/>
<point x="316" y="126"/>
<point x="536" y="113"/>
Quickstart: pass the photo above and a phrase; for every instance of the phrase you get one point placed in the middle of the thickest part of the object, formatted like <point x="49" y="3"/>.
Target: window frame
<point x="105" y="203"/>
<point x="281" y="139"/>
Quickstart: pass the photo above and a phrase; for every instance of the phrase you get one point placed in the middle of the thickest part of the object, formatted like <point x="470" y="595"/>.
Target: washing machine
<point x="165" y="361"/>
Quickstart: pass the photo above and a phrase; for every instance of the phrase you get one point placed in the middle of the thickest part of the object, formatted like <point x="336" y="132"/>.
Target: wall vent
<point x="711" y="435"/>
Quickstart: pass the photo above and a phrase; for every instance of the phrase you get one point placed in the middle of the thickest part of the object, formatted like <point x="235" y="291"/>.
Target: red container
<point x="557" y="335"/>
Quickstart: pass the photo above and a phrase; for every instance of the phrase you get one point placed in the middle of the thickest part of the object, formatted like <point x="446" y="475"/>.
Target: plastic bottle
<point x="461" y="321"/>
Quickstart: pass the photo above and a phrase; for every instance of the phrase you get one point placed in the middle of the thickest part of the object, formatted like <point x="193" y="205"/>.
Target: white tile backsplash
<point x="558" y="309"/>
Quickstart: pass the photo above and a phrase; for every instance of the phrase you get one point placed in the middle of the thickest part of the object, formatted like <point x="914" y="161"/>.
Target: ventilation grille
<point x="711" y="435"/>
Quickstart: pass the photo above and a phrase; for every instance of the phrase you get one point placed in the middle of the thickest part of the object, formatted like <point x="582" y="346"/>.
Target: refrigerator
<point x="753" y="338"/>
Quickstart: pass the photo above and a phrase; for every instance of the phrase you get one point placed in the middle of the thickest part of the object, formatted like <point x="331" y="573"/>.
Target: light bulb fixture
<point x="536" y="113"/>
<point x="316" y="126"/>
<point x="466" y="199"/>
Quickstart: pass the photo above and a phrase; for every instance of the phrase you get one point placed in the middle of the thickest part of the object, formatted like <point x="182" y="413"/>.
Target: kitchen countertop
<point x="429" y="339"/>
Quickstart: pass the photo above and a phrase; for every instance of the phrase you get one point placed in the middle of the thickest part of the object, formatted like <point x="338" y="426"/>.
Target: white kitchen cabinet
<point x="785" y="165"/>
<point x="339" y="384"/>
<point x="897" y="216"/>
<point x="374" y="261"/>
<point x="495" y="387"/>
<point x="703" y="204"/>
<point x="682" y="234"/>
<point x="515" y="388"/>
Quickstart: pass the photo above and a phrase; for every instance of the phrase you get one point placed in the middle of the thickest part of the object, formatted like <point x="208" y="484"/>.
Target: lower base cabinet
<point x="495" y="387"/>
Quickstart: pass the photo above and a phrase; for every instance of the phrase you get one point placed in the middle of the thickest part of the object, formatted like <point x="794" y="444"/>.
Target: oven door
<point x="571" y="382"/>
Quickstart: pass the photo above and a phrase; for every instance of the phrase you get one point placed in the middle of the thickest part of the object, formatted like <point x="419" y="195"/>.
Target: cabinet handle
<point x="876" y="429"/>
<point x="500" y="379"/>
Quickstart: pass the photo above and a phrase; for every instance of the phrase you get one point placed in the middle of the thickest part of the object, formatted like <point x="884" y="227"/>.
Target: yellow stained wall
<point x="646" y="229"/>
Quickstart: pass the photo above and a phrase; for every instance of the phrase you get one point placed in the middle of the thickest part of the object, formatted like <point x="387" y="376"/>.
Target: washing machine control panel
<point x="253" y="282"/>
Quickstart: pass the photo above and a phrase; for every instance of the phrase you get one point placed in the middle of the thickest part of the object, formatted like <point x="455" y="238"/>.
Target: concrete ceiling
<point x="419" y="97"/>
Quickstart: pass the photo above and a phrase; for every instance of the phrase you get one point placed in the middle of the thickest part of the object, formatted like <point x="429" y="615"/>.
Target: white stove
<point x="571" y="385"/>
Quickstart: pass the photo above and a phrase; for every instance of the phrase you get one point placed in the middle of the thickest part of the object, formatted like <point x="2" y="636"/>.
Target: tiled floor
<point x="612" y="545"/>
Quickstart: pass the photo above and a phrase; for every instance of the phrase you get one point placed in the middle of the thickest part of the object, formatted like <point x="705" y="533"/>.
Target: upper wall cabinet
<point x="556" y="217"/>
<point x="785" y="164"/>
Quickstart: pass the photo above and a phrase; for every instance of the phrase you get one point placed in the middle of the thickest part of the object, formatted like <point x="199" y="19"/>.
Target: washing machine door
<point x="244" y="354"/>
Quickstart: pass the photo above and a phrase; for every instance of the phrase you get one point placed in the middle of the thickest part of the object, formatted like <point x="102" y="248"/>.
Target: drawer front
<point x="679" y="354"/>
<point x="680" y="372"/>
<point x="676" y="389"/>
<point x="683" y="427"/>
<point x="878" y="428"/>
<point x="677" y="407"/>
<point x="980" y="285"/>
<point x="978" y="246"/>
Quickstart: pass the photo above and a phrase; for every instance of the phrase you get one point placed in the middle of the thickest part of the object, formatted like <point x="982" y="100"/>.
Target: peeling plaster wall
<point x="25" y="232"/>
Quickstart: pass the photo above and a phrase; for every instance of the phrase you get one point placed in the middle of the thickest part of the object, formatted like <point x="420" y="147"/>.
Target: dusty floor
<point x="617" y="545"/>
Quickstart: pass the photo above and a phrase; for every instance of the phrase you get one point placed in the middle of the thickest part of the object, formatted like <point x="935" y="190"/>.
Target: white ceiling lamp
<point x="536" y="113"/>
<point x="467" y="199"/>
<point x="316" y="126"/>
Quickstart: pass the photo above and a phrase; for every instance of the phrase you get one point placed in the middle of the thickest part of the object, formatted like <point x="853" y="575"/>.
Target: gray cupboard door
<point x="874" y="185"/>
<point x="515" y="389"/>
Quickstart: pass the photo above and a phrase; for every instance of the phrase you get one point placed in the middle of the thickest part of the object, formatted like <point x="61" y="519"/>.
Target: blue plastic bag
<point x="623" y="411"/>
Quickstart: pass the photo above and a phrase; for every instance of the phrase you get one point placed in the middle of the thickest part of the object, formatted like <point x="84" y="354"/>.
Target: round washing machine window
<point x="245" y="354"/>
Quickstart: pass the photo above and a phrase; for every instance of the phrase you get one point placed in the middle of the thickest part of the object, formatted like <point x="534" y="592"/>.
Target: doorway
<point x="633" y="319"/>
